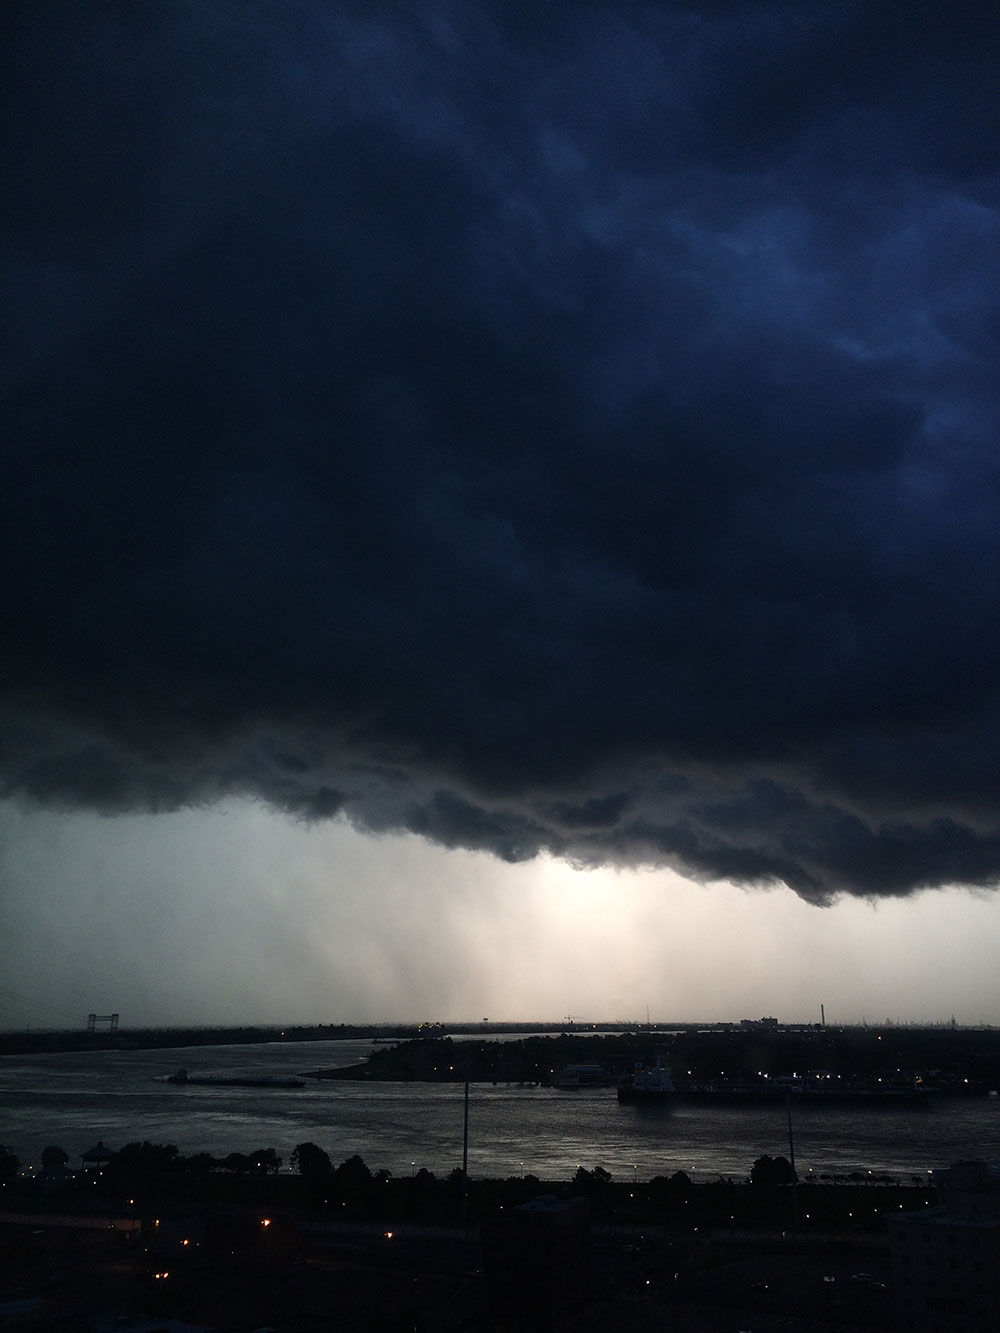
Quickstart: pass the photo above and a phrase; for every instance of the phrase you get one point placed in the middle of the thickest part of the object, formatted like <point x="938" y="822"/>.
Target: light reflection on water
<point x="75" y="1099"/>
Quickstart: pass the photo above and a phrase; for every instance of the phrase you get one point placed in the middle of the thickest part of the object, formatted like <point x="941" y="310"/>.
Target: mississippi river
<point x="75" y="1099"/>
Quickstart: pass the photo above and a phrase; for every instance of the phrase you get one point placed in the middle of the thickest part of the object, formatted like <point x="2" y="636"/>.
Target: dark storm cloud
<point x="536" y="430"/>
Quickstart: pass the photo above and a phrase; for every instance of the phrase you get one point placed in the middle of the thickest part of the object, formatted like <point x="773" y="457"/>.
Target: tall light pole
<point x="795" y="1178"/>
<point x="465" y="1160"/>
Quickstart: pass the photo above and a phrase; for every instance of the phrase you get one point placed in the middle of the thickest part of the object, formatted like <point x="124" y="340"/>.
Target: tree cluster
<point x="767" y="1172"/>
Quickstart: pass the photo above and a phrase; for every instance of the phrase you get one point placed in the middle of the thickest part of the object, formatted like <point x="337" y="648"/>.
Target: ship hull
<point x="232" y="1081"/>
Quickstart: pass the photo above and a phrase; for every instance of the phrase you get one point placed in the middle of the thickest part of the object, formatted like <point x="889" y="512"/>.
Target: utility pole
<point x="465" y="1161"/>
<point x="795" y="1178"/>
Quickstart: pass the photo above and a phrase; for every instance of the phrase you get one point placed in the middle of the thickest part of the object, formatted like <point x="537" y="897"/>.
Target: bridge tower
<point x="94" y="1019"/>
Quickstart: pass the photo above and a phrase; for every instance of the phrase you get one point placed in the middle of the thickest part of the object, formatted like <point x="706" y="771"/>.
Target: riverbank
<point x="150" y="1039"/>
<point x="45" y="1041"/>
<point x="714" y="1059"/>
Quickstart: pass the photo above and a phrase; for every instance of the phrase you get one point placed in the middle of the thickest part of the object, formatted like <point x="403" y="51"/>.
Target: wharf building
<point x="946" y="1258"/>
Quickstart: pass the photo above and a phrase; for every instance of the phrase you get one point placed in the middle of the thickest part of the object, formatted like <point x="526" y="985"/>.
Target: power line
<point x="35" y="1006"/>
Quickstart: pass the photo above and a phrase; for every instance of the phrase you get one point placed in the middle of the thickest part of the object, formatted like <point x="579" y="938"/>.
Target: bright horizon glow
<point x="237" y="915"/>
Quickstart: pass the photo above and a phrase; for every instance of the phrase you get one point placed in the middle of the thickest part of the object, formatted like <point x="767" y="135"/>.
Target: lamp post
<point x="465" y="1159"/>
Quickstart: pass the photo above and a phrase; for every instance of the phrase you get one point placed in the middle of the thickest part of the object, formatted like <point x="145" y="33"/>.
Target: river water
<point x="75" y="1099"/>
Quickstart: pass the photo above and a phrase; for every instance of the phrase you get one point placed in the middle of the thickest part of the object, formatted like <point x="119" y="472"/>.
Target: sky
<point x="500" y="510"/>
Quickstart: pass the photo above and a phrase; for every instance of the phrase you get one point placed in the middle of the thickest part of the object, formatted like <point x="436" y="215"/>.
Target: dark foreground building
<point x="536" y="1261"/>
<point x="946" y="1259"/>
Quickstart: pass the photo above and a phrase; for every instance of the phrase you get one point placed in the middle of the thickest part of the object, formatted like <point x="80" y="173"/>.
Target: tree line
<point x="142" y="1173"/>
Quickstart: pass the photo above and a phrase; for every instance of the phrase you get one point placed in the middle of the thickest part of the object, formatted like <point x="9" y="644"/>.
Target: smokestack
<point x="822" y="1017"/>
